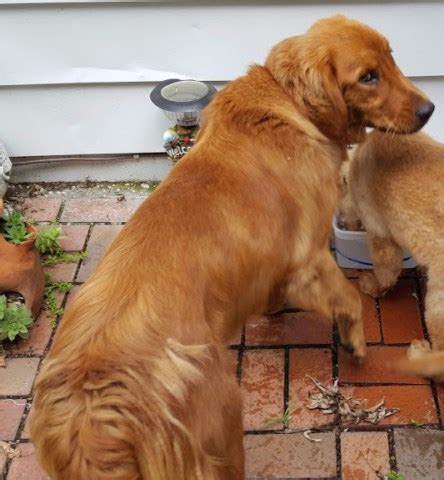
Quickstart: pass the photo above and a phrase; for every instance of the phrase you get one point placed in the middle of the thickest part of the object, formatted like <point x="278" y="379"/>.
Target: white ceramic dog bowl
<point x="351" y="249"/>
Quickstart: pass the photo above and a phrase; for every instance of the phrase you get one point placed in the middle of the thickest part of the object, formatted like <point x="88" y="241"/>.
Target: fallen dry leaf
<point x="306" y="434"/>
<point x="9" y="451"/>
<point x="330" y="400"/>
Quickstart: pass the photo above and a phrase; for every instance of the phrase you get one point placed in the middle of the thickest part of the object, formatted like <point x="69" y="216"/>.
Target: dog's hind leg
<point x="387" y="261"/>
<point x="321" y="286"/>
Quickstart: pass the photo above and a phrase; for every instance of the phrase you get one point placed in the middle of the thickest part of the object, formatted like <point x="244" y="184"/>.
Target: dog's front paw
<point x="352" y="338"/>
<point x="369" y="284"/>
<point x="418" y="348"/>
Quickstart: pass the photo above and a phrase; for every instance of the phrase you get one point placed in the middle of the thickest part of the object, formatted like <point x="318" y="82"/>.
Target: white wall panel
<point x="95" y="43"/>
<point x="94" y="119"/>
<point x="75" y="78"/>
<point x="87" y="119"/>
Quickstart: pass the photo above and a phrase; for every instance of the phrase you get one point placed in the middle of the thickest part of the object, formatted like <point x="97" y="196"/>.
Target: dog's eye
<point x="370" y="78"/>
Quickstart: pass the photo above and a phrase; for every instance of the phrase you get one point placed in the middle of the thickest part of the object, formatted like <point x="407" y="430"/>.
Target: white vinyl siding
<point x="75" y="77"/>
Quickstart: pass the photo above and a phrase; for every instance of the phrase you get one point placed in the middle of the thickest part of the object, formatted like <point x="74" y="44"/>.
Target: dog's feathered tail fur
<point x="115" y="420"/>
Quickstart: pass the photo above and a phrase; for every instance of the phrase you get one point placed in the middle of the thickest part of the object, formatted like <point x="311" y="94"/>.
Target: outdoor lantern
<point x="181" y="101"/>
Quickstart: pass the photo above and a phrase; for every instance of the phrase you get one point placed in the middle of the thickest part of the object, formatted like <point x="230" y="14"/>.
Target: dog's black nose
<point x="424" y="112"/>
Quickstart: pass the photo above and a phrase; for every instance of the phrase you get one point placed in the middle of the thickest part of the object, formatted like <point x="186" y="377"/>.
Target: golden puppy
<point x="136" y="385"/>
<point x="395" y="185"/>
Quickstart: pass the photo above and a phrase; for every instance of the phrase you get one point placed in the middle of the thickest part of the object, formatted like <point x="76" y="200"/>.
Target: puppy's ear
<point x="308" y="75"/>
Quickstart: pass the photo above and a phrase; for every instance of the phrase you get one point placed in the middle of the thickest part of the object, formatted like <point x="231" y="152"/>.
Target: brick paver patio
<point x="272" y="359"/>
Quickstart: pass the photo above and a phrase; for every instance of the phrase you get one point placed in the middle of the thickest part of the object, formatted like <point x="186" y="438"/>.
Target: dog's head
<point x="342" y="74"/>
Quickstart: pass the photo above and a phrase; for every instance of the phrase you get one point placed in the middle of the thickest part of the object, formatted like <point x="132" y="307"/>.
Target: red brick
<point x="99" y="209"/>
<point x="11" y="412"/>
<point x="414" y="401"/>
<point x="312" y="362"/>
<point x="25" y="466"/>
<point x="420" y="453"/>
<point x="62" y="272"/>
<point x="18" y="376"/>
<point x="74" y="237"/>
<point x="288" y="328"/>
<point x="99" y="241"/>
<point x="263" y="387"/>
<point x="39" y="335"/>
<point x="41" y="209"/>
<point x="364" y="455"/>
<point x="290" y="456"/>
<point x="401" y="322"/>
<point x="376" y="368"/>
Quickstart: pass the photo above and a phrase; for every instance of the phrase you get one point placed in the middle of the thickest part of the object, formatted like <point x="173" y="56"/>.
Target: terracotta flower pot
<point x="21" y="270"/>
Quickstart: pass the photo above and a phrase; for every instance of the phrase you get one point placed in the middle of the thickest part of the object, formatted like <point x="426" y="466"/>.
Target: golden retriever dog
<point x="395" y="188"/>
<point x="137" y="384"/>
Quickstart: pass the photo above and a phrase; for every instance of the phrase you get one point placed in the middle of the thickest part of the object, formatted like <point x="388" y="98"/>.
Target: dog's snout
<point x="424" y="112"/>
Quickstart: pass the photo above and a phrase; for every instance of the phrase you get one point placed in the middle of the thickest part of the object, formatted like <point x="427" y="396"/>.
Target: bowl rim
<point x="181" y="107"/>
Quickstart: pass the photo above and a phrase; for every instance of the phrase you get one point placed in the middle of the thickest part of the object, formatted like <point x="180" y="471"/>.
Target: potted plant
<point x="22" y="270"/>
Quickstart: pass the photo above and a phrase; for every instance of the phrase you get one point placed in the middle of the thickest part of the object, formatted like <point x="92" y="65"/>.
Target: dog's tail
<point x="122" y="420"/>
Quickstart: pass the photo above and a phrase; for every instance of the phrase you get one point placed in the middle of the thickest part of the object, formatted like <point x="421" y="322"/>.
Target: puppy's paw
<point x="421" y="360"/>
<point x="418" y="348"/>
<point x="369" y="284"/>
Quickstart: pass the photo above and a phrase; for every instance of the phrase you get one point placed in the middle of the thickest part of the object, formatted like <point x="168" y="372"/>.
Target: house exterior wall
<point x="75" y="77"/>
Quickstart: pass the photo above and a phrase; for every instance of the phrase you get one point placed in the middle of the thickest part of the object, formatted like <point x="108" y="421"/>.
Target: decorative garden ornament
<point x="181" y="101"/>
<point x="5" y="170"/>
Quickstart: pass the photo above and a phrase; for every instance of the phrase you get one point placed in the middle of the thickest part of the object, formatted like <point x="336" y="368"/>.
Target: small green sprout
<point x="395" y="476"/>
<point x="50" y="299"/>
<point x="284" y="419"/>
<point x="63" y="257"/>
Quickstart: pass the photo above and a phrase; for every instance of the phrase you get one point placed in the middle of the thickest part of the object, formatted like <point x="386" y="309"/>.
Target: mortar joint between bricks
<point x="286" y="379"/>
<point x="392" y="451"/>
<point x="240" y="356"/>
<point x="84" y="249"/>
<point x="60" y="211"/>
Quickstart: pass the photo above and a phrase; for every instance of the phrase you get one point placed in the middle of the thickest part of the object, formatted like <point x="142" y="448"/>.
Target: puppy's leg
<point x="434" y="307"/>
<point x="322" y="287"/>
<point x="387" y="262"/>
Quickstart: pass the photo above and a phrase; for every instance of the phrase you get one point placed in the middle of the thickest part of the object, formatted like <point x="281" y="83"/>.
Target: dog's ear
<point x="308" y="75"/>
